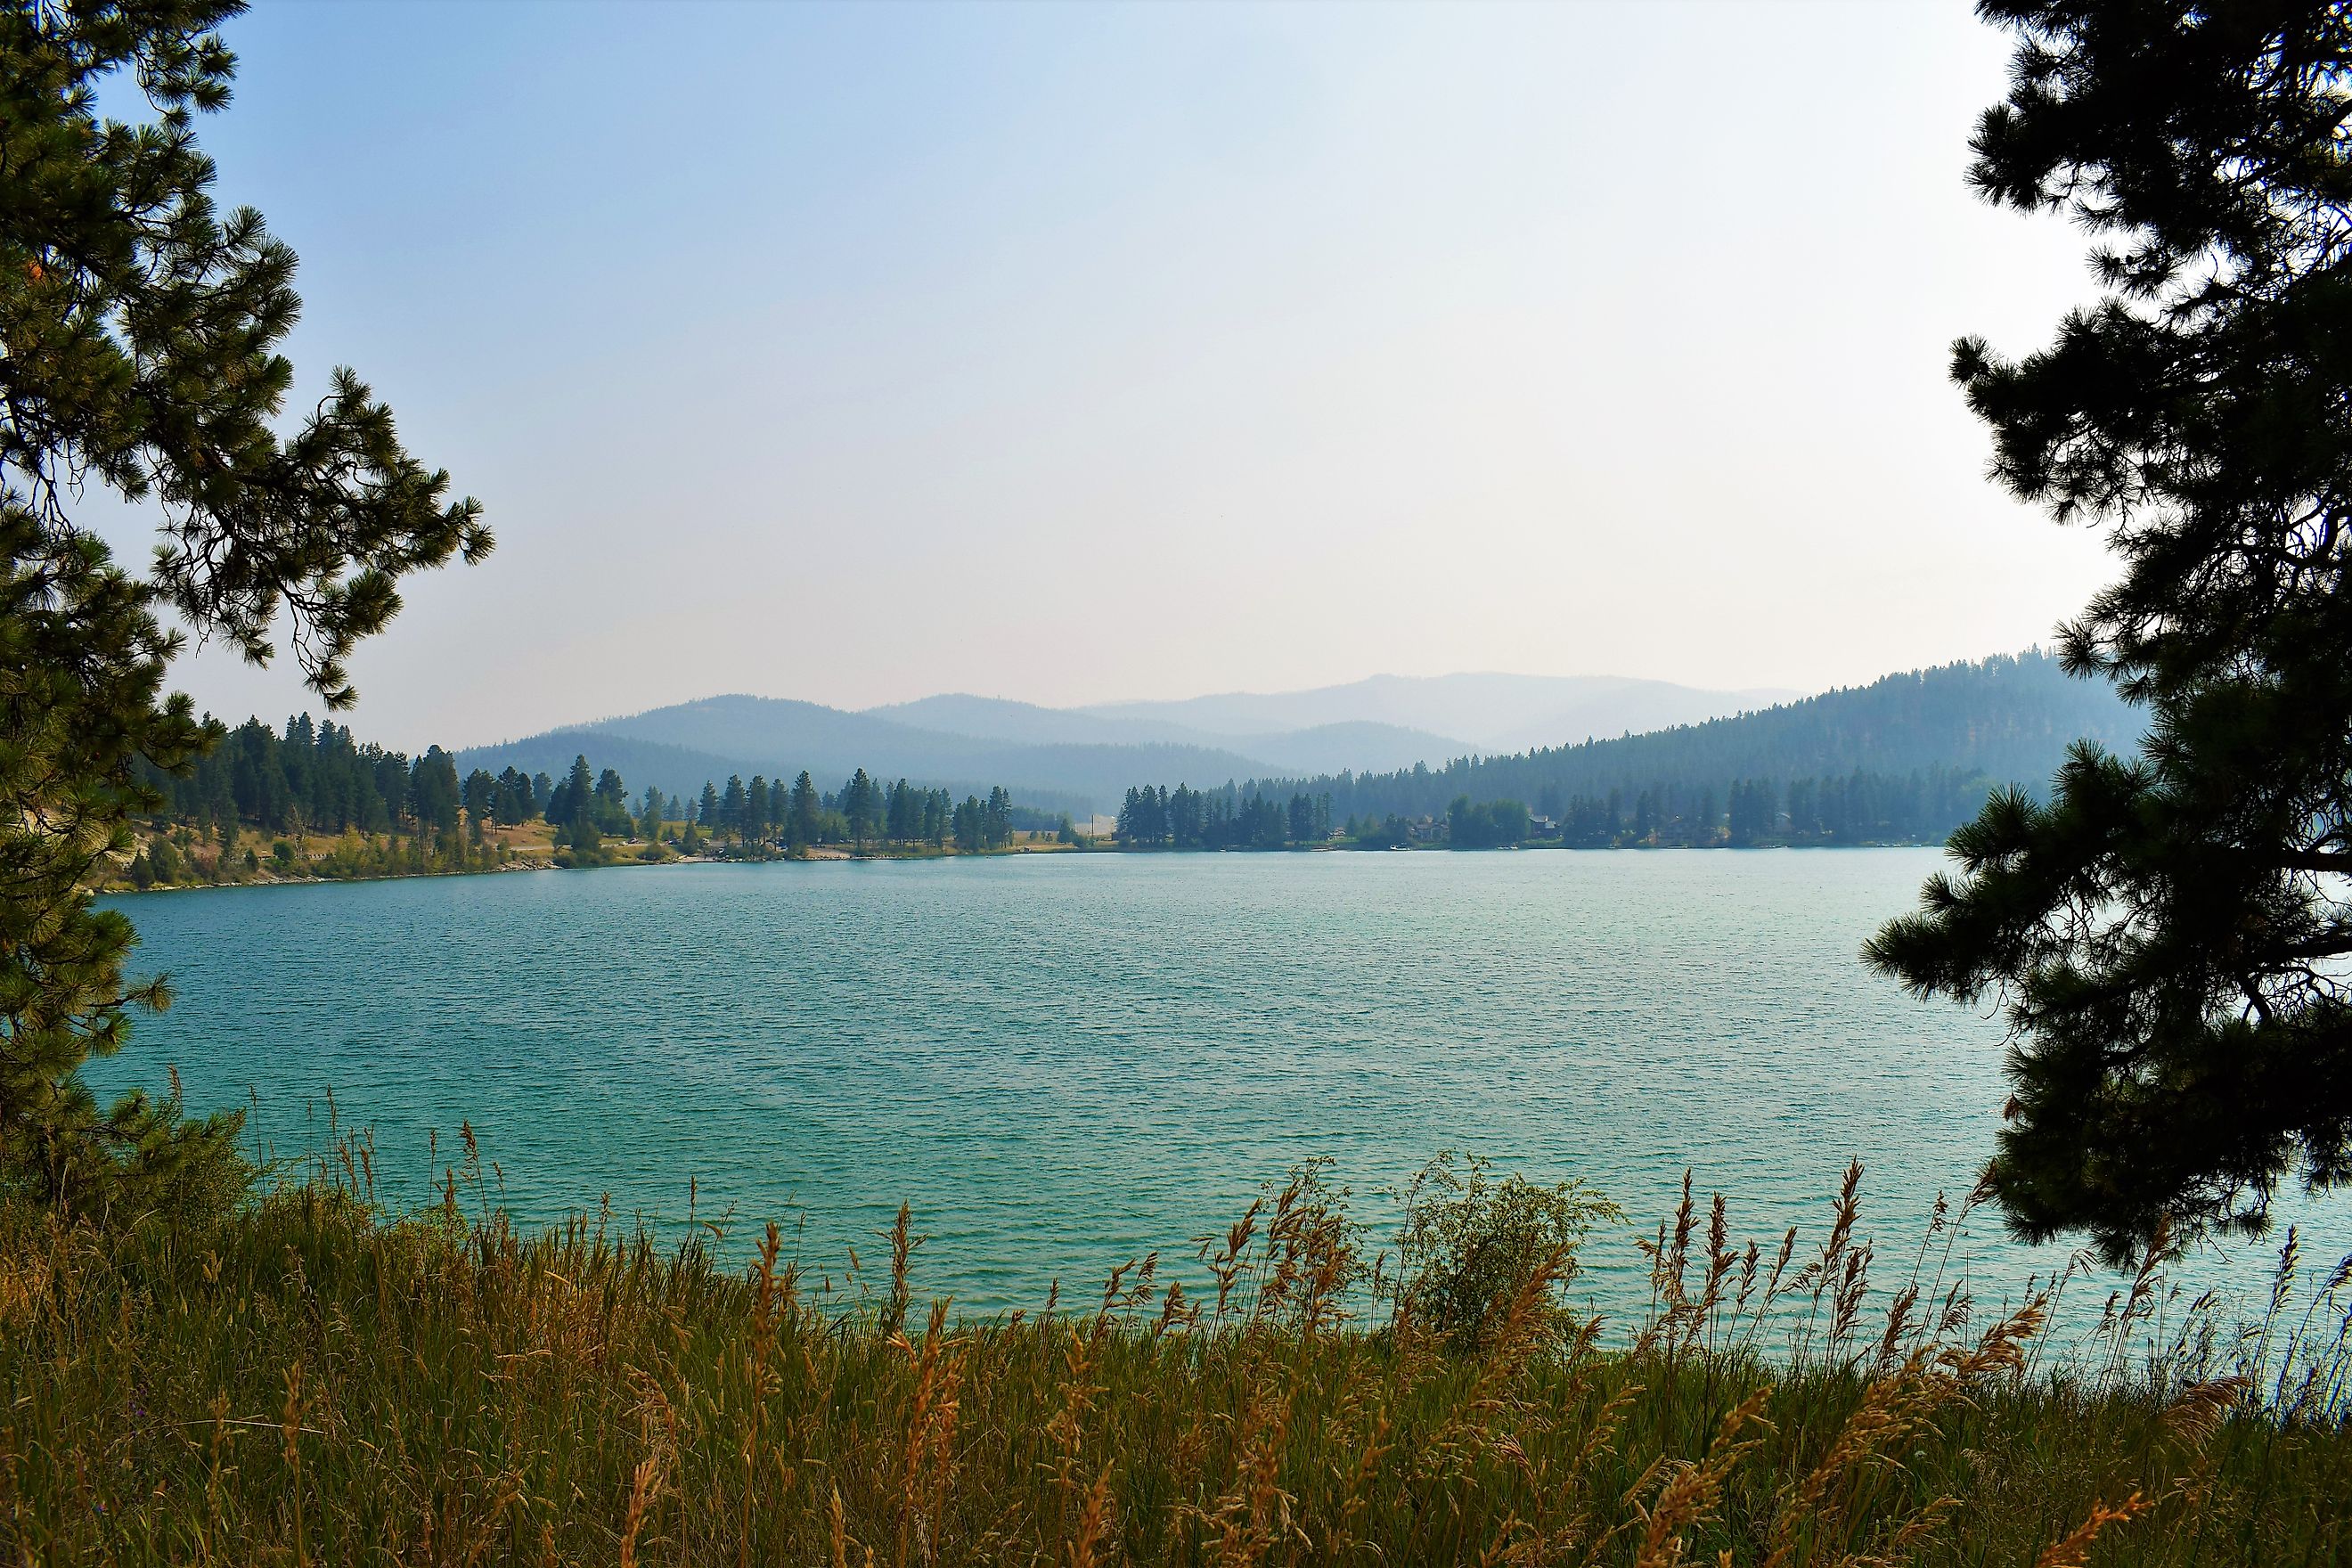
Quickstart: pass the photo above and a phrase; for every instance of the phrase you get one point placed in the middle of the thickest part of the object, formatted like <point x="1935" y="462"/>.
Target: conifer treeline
<point x="1919" y="808"/>
<point x="1923" y="806"/>
<point x="319" y="778"/>
<point x="864" y="811"/>
<point x="1220" y="818"/>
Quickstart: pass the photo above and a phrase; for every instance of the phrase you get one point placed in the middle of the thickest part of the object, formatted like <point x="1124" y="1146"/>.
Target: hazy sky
<point x="1079" y="352"/>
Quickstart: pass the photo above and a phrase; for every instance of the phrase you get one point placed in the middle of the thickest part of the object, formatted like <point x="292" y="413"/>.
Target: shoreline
<point x="113" y="889"/>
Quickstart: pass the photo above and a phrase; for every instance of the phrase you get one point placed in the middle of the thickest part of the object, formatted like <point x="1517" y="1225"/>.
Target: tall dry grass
<point x="309" y="1382"/>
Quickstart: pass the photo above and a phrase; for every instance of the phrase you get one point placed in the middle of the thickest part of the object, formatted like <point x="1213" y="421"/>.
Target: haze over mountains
<point x="1971" y="725"/>
<point x="1483" y="713"/>
<point x="1003" y="722"/>
<point x="1082" y="759"/>
<point x="1390" y="741"/>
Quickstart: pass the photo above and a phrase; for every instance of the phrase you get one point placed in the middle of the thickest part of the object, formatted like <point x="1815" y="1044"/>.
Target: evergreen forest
<point x="393" y="815"/>
<point x="1904" y="760"/>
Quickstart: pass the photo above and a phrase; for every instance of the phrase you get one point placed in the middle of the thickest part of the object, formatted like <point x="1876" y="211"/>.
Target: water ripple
<point x="1064" y="1061"/>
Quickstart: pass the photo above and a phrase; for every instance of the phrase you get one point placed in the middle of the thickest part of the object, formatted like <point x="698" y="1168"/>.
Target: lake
<point x="1065" y="1061"/>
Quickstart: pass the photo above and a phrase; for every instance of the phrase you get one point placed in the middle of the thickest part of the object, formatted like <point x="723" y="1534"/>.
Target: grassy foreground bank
<point x="307" y="1381"/>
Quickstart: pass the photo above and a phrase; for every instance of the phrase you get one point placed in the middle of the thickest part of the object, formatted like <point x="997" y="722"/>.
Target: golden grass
<point x="309" y="1382"/>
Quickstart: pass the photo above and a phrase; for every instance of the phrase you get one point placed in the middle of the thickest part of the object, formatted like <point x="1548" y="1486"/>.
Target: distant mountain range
<point x="1391" y="743"/>
<point x="1484" y="712"/>
<point x="1082" y="759"/>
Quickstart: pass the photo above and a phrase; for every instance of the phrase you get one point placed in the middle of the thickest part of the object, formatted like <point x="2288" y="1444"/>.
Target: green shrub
<point x="1470" y="1245"/>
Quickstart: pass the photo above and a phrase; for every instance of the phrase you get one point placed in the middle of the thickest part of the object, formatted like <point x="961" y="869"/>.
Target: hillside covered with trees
<point x="1906" y="759"/>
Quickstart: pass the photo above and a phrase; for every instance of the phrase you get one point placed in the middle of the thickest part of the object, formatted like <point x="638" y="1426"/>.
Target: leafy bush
<point x="1471" y="1246"/>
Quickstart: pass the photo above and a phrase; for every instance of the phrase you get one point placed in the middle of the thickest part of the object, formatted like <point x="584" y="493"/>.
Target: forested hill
<point x="2005" y="720"/>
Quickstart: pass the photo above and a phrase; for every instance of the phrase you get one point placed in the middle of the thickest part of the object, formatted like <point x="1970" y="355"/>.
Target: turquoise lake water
<point x="1064" y="1061"/>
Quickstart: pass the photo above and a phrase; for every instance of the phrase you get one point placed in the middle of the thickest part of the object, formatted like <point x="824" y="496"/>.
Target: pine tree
<point x="579" y="793"/>
<point x="804" y="810"/>
<point x="859" y="804"/>
<point x="730" y="806"/>
<point x="612" y="798"/>
<point x="902" y="813"/>
<point x="480" y="795"/>
<point x="434" y="789"/>
<point x="2169" y="934"/>
<point x="996" y="827"/>
<point x="142" y="327"/>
